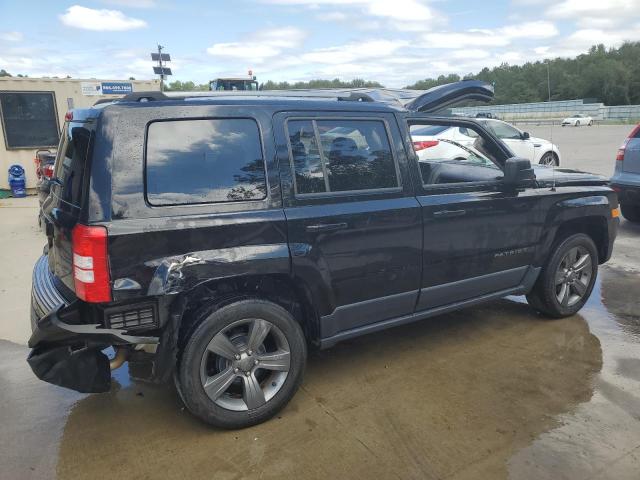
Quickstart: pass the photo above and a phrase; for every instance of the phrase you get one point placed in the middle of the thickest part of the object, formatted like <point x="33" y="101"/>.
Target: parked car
<point x="485" y="115"/>
<point x="44" y="162"/>
<point x="577" y="120"/>
<point x="626" y="177"/>
<point x="537" y="150"/>
<point x="216" y="240"/>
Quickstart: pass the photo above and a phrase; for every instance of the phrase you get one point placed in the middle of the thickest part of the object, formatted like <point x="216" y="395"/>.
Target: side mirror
<point x="518" y="172"/>
<point x="525" y="135"/>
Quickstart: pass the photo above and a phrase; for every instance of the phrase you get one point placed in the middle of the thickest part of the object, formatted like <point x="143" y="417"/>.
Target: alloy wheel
<point x="548" y="159"/>
<point x="245" y="365"/>
<point x="573" y="276"/>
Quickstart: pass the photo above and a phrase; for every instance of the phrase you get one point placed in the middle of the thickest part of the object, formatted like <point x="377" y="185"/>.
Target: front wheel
<point x="566" y="281"/>
<point x="549" y="159"/>
<point x="577" y="124"/>
<point x="242" y="364"/>
<point x="631" y="211"/>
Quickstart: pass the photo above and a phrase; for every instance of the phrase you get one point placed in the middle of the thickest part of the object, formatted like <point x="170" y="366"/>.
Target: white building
<point x="32" y="114"/>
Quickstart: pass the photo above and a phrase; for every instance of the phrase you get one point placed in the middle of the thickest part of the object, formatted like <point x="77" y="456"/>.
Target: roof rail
<point x="144" y="97"/>
<point x="431" y="100"/>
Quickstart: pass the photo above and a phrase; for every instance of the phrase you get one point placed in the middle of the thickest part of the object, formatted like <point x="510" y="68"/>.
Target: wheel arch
<point x="589" y="215"/>
<point x="189" y="308"/>
<point x="281" y="289"/>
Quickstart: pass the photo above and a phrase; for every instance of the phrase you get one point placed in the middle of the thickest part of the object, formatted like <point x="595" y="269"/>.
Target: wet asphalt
<point x="488" y="392"/>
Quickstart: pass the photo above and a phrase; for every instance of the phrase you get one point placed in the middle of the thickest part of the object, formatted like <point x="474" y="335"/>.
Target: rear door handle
<point x="326" y="227"/>
<point x="449" y="213"/>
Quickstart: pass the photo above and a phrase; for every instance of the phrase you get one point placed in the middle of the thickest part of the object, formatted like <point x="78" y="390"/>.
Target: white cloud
<point x="132" y="3"/>
<point x="414" y="10"/>
<point x="470" y="38"/>
<point x="353" y="52"/>
<point x="468" y="53"/>
<point x="11" y="36"/>
<point x="500" y="37"/>
<point x="571" y="9"/>
<point x="260" y="45"/>
<point x="332" y="16"/>
<point x="536" y="29"/>
<point x="99" y="20"/>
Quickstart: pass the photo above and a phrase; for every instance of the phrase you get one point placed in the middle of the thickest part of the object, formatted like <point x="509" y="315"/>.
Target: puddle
<point x="601" y="438"/>
<point x="454" y="396"/>
<point x="489" y="392"/>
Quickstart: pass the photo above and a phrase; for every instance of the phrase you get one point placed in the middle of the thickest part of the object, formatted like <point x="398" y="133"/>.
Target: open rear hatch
<point x="432" y="100"/>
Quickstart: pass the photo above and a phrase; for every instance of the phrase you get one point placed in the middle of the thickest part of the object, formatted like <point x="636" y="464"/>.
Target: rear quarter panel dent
<point x="181" y="273"/>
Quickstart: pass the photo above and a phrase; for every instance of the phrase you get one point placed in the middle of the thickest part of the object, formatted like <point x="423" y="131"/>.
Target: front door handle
<point x="326" y="227"/>
<point x="449" y="213"/>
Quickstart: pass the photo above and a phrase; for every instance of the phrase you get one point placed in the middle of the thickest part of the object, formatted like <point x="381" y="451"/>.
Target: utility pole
<point x="161" y="70"/>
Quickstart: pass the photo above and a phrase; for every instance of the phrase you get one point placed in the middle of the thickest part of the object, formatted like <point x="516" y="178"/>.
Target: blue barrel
<point x="17" y="181"/>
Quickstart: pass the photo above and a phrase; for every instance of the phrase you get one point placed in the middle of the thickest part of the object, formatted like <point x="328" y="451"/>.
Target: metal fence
<point x="554" y="110"/>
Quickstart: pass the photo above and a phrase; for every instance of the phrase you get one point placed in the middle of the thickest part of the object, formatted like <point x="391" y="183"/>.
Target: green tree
<point x="610" y="75"/>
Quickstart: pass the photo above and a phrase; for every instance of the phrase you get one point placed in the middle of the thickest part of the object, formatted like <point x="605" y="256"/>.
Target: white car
<point x="577" y="120"/>
<point x="536" y="150"/>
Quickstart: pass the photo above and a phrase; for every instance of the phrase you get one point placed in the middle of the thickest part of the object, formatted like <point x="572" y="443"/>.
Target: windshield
<point x="234" y="85"/>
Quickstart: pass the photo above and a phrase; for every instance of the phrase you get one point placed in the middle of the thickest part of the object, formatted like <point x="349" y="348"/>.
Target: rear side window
<point x="341" y="156"/>
<point x="204" y="161"/>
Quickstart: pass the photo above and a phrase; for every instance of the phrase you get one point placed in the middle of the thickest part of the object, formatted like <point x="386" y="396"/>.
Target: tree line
<point x="609" y="75"/>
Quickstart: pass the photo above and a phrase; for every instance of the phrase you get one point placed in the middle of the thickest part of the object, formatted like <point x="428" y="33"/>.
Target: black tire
<point x="590" y="122"/>
<point x="577" y="124"/>
<point x="631" y="211"/>
<point x="544" y="295"/>
<point x="213" y="323"/>
<point x="545" y="160"/>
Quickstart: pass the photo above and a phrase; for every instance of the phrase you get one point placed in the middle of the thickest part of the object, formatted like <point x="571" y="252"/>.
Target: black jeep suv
<point x="211" y="239"/>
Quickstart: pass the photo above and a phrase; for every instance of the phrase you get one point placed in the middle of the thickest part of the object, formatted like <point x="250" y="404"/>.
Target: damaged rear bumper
<point x="67" y="351"/>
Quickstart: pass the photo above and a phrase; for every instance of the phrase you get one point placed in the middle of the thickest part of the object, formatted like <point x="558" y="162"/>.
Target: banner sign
<point x="116" y="88"/>
<point x="106" y="88"/>
<point x="91" y="88"/>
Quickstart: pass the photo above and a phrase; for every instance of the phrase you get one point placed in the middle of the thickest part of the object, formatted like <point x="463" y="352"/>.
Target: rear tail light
<point x="620" y="155"/>
<point x="424" y="144"/>
<point x="90" y="264"/>
<point x="68" y="116"/>
<point x="47" y="171"/>
<point x="38" y="163"/>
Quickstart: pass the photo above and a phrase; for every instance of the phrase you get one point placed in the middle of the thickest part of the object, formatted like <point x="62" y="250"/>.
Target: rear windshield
<point x="74" y="151"/>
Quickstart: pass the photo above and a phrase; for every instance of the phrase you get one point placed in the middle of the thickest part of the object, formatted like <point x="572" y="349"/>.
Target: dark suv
<point x="213" y="239"/>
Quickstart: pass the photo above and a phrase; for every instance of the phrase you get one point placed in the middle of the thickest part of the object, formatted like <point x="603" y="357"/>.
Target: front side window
<point x="451" y="154"/>
<point x="341" y="156"/>
<point x="204" y="161"/>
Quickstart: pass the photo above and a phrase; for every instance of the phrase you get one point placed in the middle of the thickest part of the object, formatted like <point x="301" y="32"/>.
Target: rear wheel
<point x="242" y="364"/>
<point x="631" y="211"/>
<point x="590" y="122"/>
<point x="577" y="123"/>
<point x="566" y="281"/>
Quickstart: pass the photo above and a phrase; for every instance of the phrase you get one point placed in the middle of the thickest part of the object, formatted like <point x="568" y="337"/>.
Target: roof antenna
<point x="553" y="166"/>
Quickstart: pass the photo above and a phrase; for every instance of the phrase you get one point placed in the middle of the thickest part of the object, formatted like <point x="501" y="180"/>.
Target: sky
<point x="395" y="42"/>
